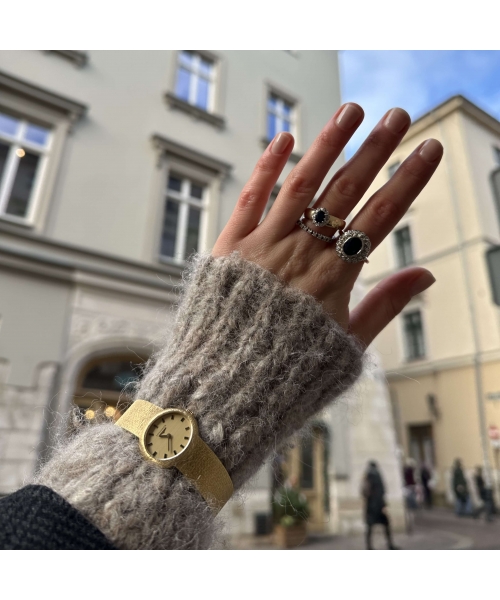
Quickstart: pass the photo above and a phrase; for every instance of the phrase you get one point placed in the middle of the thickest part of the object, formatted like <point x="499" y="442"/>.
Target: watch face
<point x="168" y="435"/>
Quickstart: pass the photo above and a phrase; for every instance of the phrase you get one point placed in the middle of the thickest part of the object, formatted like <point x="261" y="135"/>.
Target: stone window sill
<point x="77" y="57"/>
<point x="176" y="103"/>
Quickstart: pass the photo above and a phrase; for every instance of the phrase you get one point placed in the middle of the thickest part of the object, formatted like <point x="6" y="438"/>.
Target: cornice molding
<point x="446" y="108"/>
<point x="77" y="57"/>
<point x="73" y="109"/>
<point x="174" y="148"/>
<point x="25" y="252"/>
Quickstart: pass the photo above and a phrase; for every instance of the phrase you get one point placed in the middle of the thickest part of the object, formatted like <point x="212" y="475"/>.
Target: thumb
<point x="386" y="300"/>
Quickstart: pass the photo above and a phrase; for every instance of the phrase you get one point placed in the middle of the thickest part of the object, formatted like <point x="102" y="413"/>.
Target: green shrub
<point x="289" y="507"/>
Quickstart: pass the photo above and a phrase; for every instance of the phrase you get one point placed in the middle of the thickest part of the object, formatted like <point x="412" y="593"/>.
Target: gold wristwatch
<point x="169" y="438"/>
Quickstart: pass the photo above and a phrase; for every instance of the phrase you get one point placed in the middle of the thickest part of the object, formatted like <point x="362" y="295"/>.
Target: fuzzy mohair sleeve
<point x="252" y="359"/>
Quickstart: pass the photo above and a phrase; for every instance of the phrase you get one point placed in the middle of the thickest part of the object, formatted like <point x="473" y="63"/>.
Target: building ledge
<point x="176" y="103"/>
<point x="77" y="57"/>
<point x="71" y="108"/>
<point x="23" y="251"/>
<point x="174" y="148"/>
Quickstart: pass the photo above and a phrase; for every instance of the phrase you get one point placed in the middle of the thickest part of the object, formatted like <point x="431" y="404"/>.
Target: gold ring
<point x="322" y="218"/>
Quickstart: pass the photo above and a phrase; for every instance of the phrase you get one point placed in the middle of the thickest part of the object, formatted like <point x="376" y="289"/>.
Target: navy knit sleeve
<point x="36" y="518"/>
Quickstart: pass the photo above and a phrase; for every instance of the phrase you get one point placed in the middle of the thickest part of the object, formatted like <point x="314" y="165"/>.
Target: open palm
<point x="310" y="264"/>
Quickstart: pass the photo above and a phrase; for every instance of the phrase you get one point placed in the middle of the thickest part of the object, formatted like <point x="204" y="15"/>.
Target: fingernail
<point x="349" y="117"/>
<point x="431" y="150"/>
<point x="280" y="143"/>
<point x="421" y="283"/>
<point x="397" y="120"/>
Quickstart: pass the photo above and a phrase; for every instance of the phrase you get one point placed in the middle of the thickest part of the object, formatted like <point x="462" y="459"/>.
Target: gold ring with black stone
<point x="322" y="218"/>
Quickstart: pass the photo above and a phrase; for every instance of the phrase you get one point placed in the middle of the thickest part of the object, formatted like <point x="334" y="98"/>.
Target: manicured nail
<point x="431" y="150"/>
<point x="349" y="117"/>
<point x="421" y="283"/>
<point x="397" y="120"/>
<point x="280" y="143"/>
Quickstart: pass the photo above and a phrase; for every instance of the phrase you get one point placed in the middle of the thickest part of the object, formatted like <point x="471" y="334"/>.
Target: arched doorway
<point x="104" y="385"/>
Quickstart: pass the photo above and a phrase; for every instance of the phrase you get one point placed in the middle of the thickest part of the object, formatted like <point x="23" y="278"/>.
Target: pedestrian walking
<point x="485" y="494"/>
<point x="373" y="491"/>
<point x="263" y="340"/>
<point x="410" y="494"/>
<point x="461" y="490"/>
<point x="425" y="478"/>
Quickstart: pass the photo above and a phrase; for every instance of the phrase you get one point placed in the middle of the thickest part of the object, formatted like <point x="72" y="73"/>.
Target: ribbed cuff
<point x="252" y="359"/>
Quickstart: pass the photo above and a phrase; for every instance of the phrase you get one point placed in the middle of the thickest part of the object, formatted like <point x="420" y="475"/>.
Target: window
<point x="414" y="335"/>
<point x="105" y="386"/>
<point x="404" y="252"/>
<point x="306" y="463"/>
<point x="496" y="150"/>
<point x="24" y="148"/>
<point x="183" y="217"/>
<point x="280" y="116"/>
<point x="195" y="80"/>
<point x="393" y="168"/>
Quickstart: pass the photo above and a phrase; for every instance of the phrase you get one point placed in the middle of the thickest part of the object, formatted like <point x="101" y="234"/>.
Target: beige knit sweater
<point x="253" y="359"/>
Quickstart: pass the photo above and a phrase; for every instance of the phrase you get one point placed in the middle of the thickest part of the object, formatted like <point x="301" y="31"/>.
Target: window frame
<point x="194" y="76"/>
<point x="185" y="200"/>
<point x="175" y="158"/>
<point x="397" y="252"/>
<point x="278" y="114"/>
<point x="27" y="102"/>
<point x="407" y="355"/>
<point x="269" y="88"/>
<point x="11" y="167"/>
<point x="496" y="154"/>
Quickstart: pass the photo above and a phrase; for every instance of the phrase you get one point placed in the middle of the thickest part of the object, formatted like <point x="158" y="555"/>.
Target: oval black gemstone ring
<point x="353" y="246"/>
<point x="322" y="218"/>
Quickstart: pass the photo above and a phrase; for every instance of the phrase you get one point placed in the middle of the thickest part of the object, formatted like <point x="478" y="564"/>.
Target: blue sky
<point x="416" y="80"/>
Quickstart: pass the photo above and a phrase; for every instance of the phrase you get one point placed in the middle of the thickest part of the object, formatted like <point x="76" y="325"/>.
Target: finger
<point x="349" y="183"/>
<point x="386" y="301"/>
<point x="255" y="195"/>
<point x="385" y="208"/>
<point x="306" y="177"/>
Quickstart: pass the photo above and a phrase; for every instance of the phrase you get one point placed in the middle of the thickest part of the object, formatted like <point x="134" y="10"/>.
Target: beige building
<point x="441" y="356"/>
<point x="114" y="167"/>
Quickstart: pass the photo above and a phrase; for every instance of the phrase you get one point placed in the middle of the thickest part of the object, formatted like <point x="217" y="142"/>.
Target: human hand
<point x="312" y="265"/>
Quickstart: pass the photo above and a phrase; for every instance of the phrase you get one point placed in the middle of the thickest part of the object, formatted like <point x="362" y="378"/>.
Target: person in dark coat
<point x="485" y="494"/>
<point x="425" y="477"/>
<point x="460" y="489"/>
<point x="375" y="505"/>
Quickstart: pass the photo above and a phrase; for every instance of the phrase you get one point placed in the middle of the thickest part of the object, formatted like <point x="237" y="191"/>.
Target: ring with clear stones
<point x="315" y="234"/>
<point x="353" y="246"/>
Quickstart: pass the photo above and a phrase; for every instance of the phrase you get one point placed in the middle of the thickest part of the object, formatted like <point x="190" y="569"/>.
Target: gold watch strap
<point x="138" y="416"/>
<point x="208" y="474"/>
<point x="201" y="464"/>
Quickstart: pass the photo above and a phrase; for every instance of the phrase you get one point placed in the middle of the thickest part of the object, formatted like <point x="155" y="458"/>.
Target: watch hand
<point x="169" y="443"/>
<point x="161" y="433"/>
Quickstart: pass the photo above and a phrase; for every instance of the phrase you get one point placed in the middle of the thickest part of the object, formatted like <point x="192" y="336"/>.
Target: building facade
<point x="441" y="356"/>
<point x="114" y="168"/>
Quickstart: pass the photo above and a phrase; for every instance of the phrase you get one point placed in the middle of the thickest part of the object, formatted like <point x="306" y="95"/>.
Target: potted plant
<point x="290" y="512"/>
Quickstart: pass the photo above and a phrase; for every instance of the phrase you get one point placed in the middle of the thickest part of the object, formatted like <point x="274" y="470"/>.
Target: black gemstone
<point x="320" y="216"/>
<point x="352" y="246"/>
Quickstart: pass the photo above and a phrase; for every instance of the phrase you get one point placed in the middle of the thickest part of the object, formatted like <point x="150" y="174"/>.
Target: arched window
<point x="104" y="387"/>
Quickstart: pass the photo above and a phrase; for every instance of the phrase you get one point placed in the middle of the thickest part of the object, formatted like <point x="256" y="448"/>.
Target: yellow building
<point x="441" y="356"/>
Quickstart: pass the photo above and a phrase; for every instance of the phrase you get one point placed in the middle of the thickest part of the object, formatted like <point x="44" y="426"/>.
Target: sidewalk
<point x="428" y="540"/>
<point x="438" y="530"/>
